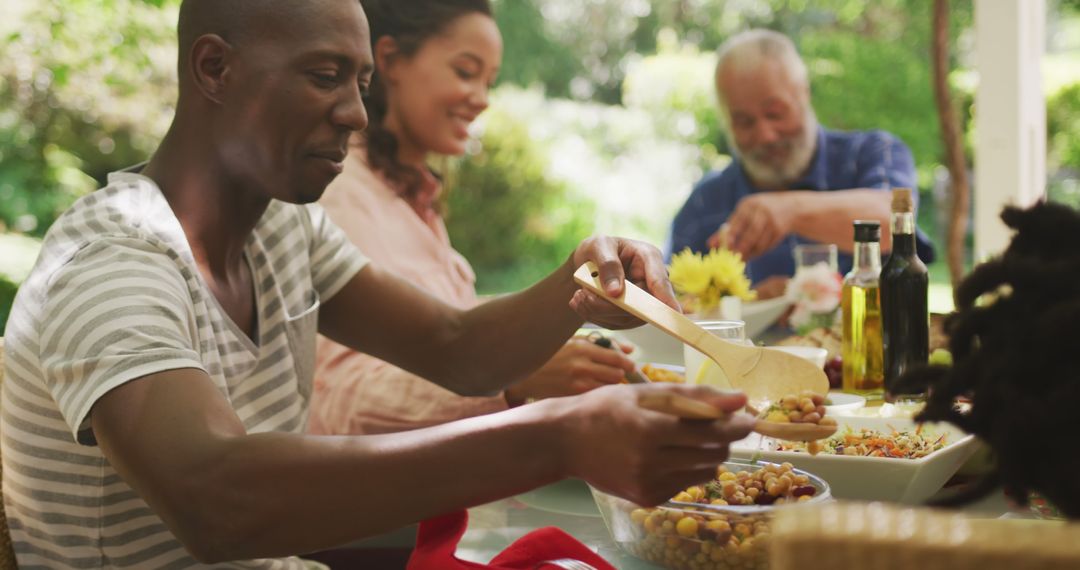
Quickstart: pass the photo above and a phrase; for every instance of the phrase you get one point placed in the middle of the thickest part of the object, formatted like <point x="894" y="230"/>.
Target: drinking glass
<point x="815" y="289"/>
<point x="810" y="254"/>
<point x="734" y="331"/>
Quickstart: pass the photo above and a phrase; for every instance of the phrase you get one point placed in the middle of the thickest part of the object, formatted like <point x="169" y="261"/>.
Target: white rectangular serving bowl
<point x="909" y="481"/>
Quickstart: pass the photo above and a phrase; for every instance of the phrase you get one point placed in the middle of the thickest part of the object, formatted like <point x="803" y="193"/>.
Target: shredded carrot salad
<point x="900" y="444"/>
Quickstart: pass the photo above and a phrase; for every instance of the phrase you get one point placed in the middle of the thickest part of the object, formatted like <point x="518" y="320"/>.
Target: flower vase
<point x="729" y="309"/>
<point x="815" y="295"/>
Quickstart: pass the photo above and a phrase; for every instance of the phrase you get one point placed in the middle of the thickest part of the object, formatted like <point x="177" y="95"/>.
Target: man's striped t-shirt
<point x="115" y="295"/>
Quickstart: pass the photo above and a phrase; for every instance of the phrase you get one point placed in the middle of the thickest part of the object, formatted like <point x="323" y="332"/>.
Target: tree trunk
<point x="951" y="135"/>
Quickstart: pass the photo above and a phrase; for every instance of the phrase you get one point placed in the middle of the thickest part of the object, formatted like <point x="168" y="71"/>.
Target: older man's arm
<point x="763" y="220"/>
<point x="881" y="162"/>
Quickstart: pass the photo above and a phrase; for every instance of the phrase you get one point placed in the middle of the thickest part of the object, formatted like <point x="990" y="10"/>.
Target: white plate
<point x="843" y="403"/>
<point x="760" y="315"/>
<point x="910" y="481"/>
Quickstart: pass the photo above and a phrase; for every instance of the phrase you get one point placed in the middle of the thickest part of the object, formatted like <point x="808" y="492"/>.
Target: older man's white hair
<point x="748" y="50"/>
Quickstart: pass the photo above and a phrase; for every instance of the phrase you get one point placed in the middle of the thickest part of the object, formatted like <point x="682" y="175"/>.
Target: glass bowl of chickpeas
<point x="723" y="524"/>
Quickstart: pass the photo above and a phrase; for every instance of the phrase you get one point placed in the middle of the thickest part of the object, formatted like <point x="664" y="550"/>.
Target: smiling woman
<point x="435" y="62"/>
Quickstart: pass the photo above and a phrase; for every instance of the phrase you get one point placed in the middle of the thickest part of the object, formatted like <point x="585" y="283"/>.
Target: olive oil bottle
<point x="904" y="303"/>
<point x="861" y="344"/>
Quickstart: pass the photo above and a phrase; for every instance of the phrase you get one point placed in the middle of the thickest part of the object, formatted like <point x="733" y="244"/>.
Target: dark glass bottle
<point x="905" y="317"/>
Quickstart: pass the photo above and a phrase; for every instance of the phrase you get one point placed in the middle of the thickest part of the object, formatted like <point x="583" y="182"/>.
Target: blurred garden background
<point x="603" y="118"/>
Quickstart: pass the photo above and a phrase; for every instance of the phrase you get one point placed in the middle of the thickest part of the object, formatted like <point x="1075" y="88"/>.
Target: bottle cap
<point x="901" y="200"/>
<point x="867" y="230"/>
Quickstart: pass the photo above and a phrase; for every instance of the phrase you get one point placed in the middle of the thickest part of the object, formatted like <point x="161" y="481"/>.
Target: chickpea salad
<point x="899" y="444"/>
<point x="697" y="531"/>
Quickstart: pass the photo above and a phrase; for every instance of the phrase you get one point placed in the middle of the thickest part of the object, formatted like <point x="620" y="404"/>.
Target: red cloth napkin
<point x="437" y="540"/>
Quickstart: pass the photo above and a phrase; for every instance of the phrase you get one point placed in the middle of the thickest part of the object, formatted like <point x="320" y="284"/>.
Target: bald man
<point x="159" y="357"/>
<point x="791" y="181"/>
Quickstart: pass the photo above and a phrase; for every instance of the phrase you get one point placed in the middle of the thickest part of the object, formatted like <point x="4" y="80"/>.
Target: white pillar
<point x="1010" y="114"/>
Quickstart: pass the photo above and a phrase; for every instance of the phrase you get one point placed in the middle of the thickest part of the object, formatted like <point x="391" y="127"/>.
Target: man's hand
<point x="772" y="287"/>
<point x="647" y="456"/>
<point x="618" y="259"/>
<point x="760" y="222"/>
<point x="578" y="367"/>
<point x="721" y="239"/>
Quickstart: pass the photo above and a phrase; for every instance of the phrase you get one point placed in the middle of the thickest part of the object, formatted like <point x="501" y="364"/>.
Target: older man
<point x="792" y="181"/>
<point x="159" y="357"/>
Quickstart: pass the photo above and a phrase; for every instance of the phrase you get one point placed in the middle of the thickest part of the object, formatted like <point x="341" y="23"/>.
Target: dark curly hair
<point x="410" y="23"/>
<point x="1015" y="341"/>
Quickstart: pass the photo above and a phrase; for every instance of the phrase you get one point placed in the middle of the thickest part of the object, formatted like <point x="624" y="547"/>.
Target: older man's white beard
<point x="775" y="177"/>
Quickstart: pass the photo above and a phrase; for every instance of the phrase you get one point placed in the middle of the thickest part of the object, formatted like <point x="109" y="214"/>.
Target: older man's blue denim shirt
<point x="842" y="161"/>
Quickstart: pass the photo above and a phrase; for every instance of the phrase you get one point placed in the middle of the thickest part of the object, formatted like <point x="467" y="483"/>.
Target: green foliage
<point x="7" y="296"/>
<point x="1063" y="126"/>
<point x="606" y="36"/>
<point x="846" y="97"/>
<point x="675" y="87"/>
<point x="1063" y="145"/>
<point x="603" y="38"/>
<point x="86" y="87"/>
<point x="17" y="257"/>
<point x="613" y="156"/>
<point x="506" y="215"/>
<point x="534" y="58"/>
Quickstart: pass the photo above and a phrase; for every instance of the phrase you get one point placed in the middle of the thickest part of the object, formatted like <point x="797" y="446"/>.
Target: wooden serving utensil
<point x="761" y="373"/>
<point x="689" y="408"/>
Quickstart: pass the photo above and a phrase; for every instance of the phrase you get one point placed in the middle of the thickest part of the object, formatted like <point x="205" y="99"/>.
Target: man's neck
<point x="217" y="214"/>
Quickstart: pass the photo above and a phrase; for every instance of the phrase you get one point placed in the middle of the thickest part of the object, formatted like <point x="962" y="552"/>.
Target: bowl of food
<point x="874" y="459"/>
<point x="722" y="524"/>
<point x="657" y="372"/>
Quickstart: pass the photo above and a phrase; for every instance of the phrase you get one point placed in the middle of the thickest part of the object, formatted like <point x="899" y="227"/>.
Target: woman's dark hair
<point x="410" y="23"/>
<point x="1015" y="341"/>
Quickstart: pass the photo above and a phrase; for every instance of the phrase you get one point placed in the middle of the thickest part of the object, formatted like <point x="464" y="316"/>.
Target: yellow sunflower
<point x="702" y="280"/>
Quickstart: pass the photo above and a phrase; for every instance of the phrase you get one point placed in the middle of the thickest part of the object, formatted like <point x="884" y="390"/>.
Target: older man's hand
<point x="772" y="287"/>
<point x="618" y="259"/>
<point x="760" y="222"/>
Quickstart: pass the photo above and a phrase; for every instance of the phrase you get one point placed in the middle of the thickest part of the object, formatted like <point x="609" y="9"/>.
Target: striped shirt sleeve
<point x="334" y="259"/>
<point x="120" y="309"/>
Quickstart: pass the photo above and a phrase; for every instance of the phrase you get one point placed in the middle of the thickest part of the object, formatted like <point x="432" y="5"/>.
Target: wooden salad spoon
<point x="761" y="373"/>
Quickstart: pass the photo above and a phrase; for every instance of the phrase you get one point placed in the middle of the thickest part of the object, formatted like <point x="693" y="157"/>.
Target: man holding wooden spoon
<point x="159" y="356"/>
